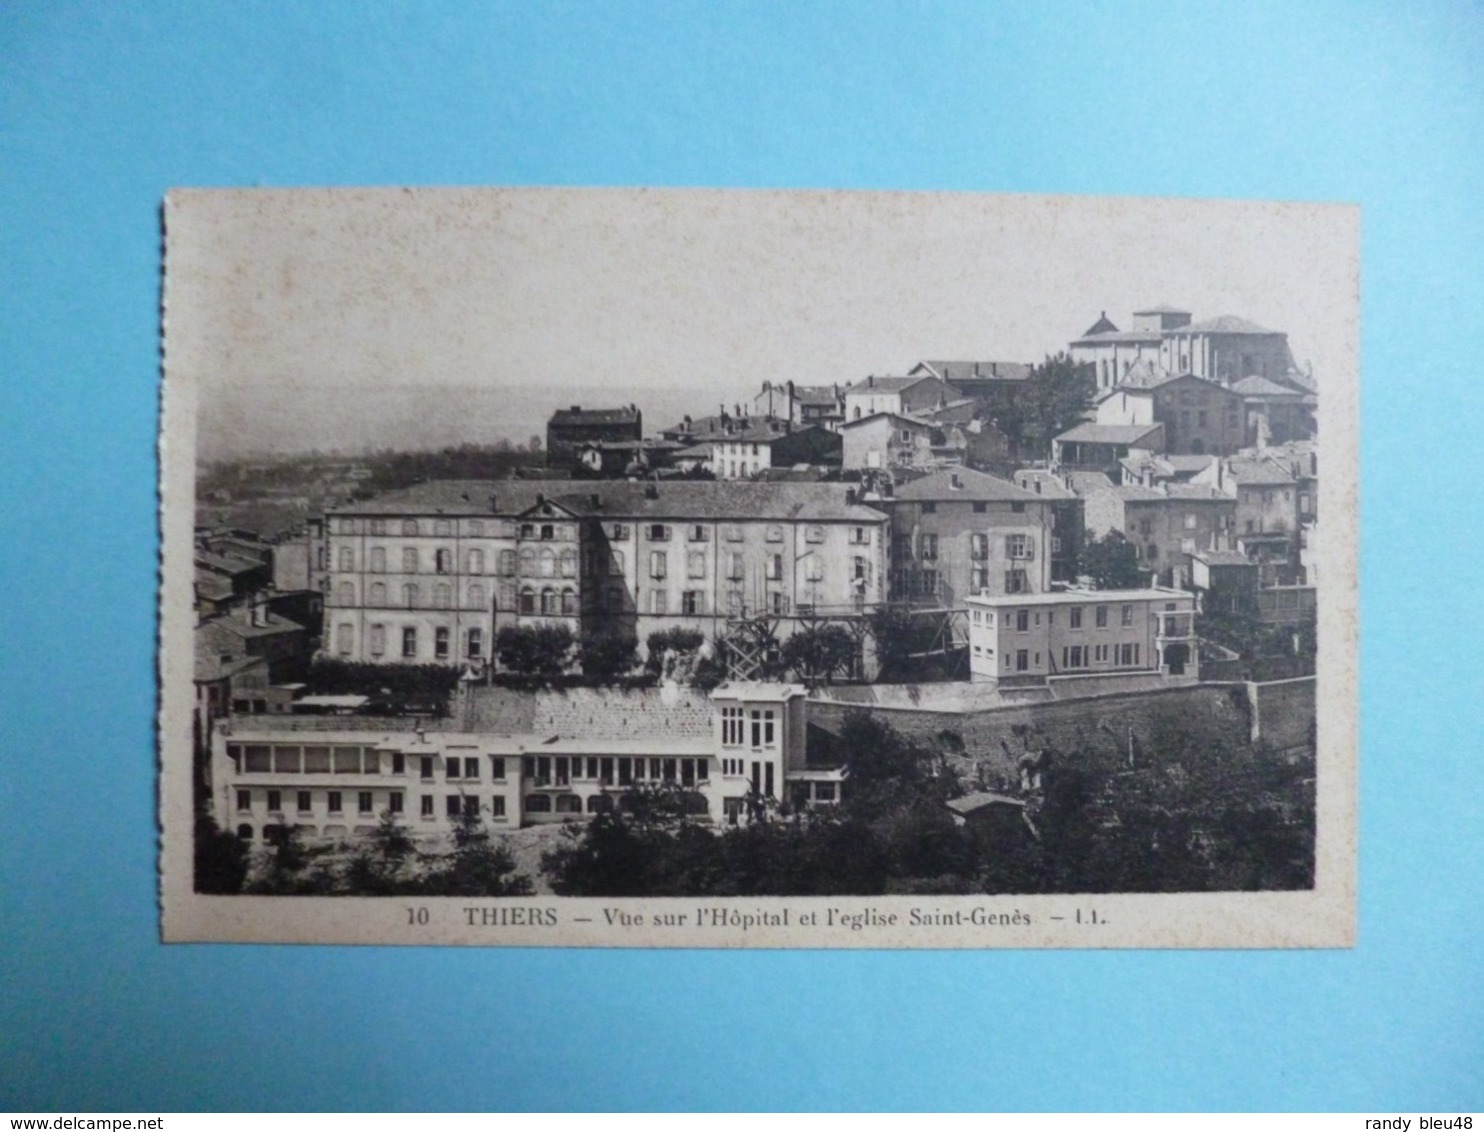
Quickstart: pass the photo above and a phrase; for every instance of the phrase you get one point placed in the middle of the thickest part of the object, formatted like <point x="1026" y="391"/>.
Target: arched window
<point x="244" y="832"/>
<point x="476" y="596"/>
<point x="378" y="594"/>
<point x="476" y="562"/>
<point x="442" y="595"/>
<point x="409" y="595"/>
<point x="347" y="558"/>
<point x="378" y="560"/>
<point x="443" y="561"/>
<point x="528" y="600"/>
<point x="548" y="601"/>
<point x="599" y="804"/>
<point x="548" y="563"/>
<point x="569" y="602"/>
<point x="615" y="563"/>
<point x="568" y="804"/>
<point x="347" y="593"/>
<point x="507" y="563"/>
<point x="538" y="804"/>
<point x="569" y="563"/>
<point x="527" y="563"/>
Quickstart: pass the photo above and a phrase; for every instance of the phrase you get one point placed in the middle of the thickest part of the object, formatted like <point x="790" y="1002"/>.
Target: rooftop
<point x="1223" y="558"/>
<point x="1081" y="597"/>
<point x="979" y="371"/>
<point x="1223" y="324"/>
<point x="1146" y="336"/>
<point x="1089" y="433"/>
<point x="974" y="486"/>
<point x="885" y="384"/>
<point x="1255" y="386"/>
<point x="1258" y="471"/>
<point x="1052" y="486"/>
<point x="1162" y="308"/>
<point x="972" y="803"/>
<point x="577" y="415"/>
<point x="1104" y="325"/>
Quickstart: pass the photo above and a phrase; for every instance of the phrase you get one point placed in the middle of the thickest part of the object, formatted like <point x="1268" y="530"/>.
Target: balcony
<point x="1175" y="626"/>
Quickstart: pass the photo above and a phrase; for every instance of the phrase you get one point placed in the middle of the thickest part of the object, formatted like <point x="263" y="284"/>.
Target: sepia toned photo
<point x="705" y="568"/>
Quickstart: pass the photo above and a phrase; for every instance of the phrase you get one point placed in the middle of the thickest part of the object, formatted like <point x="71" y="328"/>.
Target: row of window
<point x="1024" y="618"/>
<point x="543" y="771"/>
<point x="1018" y="547"/>
<point x="529" y="562"/>
<point x="738" y="725"/>
<point x="410" y="595"/>
<point x="980" y="507"/>
<point x="1072" y="656"/>
<point x="376" y="641"/>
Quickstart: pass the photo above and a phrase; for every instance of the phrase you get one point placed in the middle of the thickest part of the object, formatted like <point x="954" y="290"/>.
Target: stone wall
<point x="1283" y="712"/>
<point x="991" y="746"/>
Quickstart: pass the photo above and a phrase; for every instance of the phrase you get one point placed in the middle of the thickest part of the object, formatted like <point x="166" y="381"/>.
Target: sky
<point x="324" y="318"/>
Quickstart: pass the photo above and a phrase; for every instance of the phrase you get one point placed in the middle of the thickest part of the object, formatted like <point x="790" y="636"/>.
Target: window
<point x="658" y="564"/>
<point x="1019" y="547"/>
<point x="394" y="801"/>
<point x="548" y="532"/>
<point x="980" y="507"/>
<point x="928" y="548"/>
<point x="378" y="595"/>
<point x="410" y="595"/>
<point x="1127" y="616"/>
<point x="427" y="805"/>
<point x="860" y="536"/>
<point x="733" y="533"/>
<point x="1022" y="660"/>
<point x="476" y="526"/>
<point x="316" y="760"/>
<point x="1128" y="655"/>
<point x="549" y="602"/>
<point x="335" y="802"/>
<point x="1187" y="546"/>
<point x="528" y="530"/>
<point x="244" y="799"/>
<point x="275" y="801"/>
<point x="734" y="567"/>
<point x="658" y="532"/>
<point x="378" y="640"/>
<point x="814" y="534"/>
<point x="658" y="601"/>
<point x="615" y="563"/>
<point x="569" y="602"/>
<point x="929" y="508"/>
<point x="775" y="567"/>
<point x="443" y="561"/>
<point x="1017" y="582"/>
<point x="399" y="764"/>
<point x="1017" y="508"/>
<point x="762" y="728"/>
<point x="347" y="558"/>
<point x="1074" y="656"/>
<point x="344" y="639"/>
<point x="695" y="564"/>
<point x="978" y="579"/>
<point x="774" y="533"/>
<point x="548" y="563"/>
<point x="497" y="767"/>
<point x="474" y="644"/>
<point x="476" y="596"/>
<point x="497" y="806"/>
<point x="731" y="726"/>
<point x="569" y="563"/>
<point x="1055" y="544"/>
<point x="453" y="805"/>
<point x="442" y="595"/>
<point x="1022" y="620"/>
<point x="364" y="803"/>
<point x="693" y="602"/>
<point x="378" y="560"/>
<point x="476" y="562"/>
<point x="426" y="767"/>
<point x="618" y="531"/>
<point x="409" y="642"/>
<point x="778" y="602"/>
<point x="440" y="643"/>
<point x="409" y="560"/>
<point x="528" y="600"/>
<point x="1101" y="617"/>
<point x="697" y="533"/>
<point x="378" y="526"/>
<point x="1190" y="520"/>
<point x="1101" y="654"/>
<point x="507" y="563"/>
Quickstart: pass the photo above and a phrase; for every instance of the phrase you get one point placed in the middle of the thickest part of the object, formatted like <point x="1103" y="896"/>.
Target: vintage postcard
<point x="689" y="568"/>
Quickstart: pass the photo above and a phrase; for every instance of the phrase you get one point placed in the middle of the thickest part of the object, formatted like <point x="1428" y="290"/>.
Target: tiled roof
<point x="227" y="563"/>
<point x="1136" y="493"/>
<point x="703" y="451"/>
<point x="1052" y="486"/>
<point x="885" y="384"/>
<point x="1188" y="463"/>
<point x="1088" y="433"/>
<point x="1194" y="491"/>
<point x="211" y="586"/>
<point x="1104" y="325"/>
<point x="460" y="497"/>
<point x="977" y="486"/>
<point x="578" y="416"/>
<point x="1223" y="324"/>
<point x="1084" y="483"/>
<point x="918" y="421"/>
<point x="1256" y="386"/>
<point x="814" y="394"/>
<point x="1118" y="336"/>
<point x="218" y="653"/>
<point x="980" y="371"/>
<point x="240" y="625"/>
<point x="1257" y="472"/>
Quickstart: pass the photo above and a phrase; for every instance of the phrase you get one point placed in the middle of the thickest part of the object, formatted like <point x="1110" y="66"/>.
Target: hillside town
<point x="1002" y="578"/>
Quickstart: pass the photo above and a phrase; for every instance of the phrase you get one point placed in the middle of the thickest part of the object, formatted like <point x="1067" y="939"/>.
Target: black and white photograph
<point x="721" y="568"/>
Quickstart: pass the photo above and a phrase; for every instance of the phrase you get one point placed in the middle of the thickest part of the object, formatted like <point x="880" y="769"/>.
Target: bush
<point x="535" y="650"/>
<point x="609" y="653"/>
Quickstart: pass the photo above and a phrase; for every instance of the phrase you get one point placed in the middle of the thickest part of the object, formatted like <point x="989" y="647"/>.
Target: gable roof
<point x="1052" y="486"/>
<point x="1089" y="433"/>
<point x="977" y="487"/>
<point x="1104" y="325"/>
<point x="977" y="371"/>
<point x="886" y="384"/>
<point x="915" y="421"/>
<point x="1084" y="483"/>
<point x="1255" y="386"/>
<point x="1258" y="471"/>
<point x="1147" y="336"/>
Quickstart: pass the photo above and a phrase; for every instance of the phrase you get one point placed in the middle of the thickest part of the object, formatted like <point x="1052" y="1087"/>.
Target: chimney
<point x="494" y="503"/>
<point x="955" y="481"/>
<point x="850" y="497"/>
<point x="540" y="499"/>
<point x="870" y="381"/>
<point x="595" y="501"/>
<point x="651" y="491"/>
<point x="576" y="408"/>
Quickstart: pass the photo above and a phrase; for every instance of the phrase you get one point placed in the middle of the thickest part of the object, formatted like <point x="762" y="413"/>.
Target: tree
<point x="380" y="865"/>
<point x="1053" y="399"/>
<point x="477" y="866"/>
<point x="899" y="637"/>
<point x="680" y="641"/>
<point x="221" y="858"/>
<point x="608" y="653"/>
<point x="1111" y="562"/>
<point x="535" y="650"/>
<point x="819" y="652"/>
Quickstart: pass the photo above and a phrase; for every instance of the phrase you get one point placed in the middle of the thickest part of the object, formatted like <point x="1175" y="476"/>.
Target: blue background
<point x="103" y="107"/>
